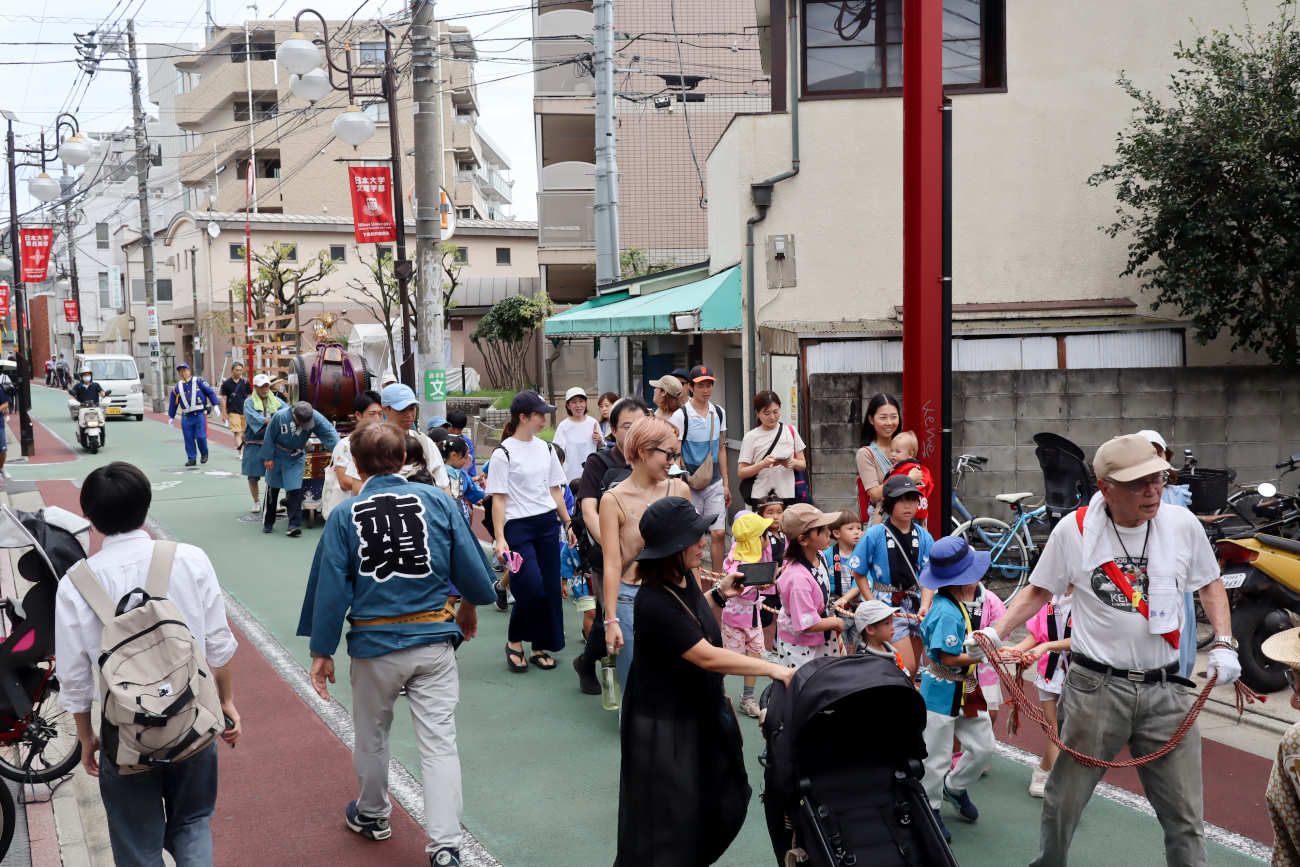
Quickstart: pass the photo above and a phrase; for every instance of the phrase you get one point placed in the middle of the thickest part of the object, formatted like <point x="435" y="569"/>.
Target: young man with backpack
<point x="601" y="471"/>
<point x="163" y="703"/>
<point x="701" y="425"/>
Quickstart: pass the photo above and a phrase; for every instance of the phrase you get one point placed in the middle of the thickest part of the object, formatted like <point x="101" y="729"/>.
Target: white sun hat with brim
<point x="1283" y="647"/>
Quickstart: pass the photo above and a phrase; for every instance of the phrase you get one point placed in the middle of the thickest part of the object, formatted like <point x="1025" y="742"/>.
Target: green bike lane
<point x="540" y="760"/>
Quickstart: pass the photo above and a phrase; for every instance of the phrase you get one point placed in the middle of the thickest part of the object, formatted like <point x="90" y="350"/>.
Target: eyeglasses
<point x="1290" y="676"/>
<point x="672" y="456"/>
<point x="1139" y="485"/>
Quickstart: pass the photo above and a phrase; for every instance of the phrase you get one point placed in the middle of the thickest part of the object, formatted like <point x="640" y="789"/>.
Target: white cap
<point x="576" y="391"/>
<point x="1154" y="437"/>
<point x="870" y="612"/>
<point x="261" y="379"/>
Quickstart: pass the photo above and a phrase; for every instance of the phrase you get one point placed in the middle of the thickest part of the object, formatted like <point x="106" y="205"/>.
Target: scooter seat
<point x="1288" y="545"/>
<point x="1014" y="498"/>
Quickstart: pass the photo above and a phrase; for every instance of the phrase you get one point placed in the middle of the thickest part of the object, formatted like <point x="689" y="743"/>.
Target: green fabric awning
<point x="715" y="299"/>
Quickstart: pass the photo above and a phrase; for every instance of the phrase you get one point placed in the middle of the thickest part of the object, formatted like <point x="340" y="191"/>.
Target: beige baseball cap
<point x="668" y="383"/>
<point x="1127" y="458"/>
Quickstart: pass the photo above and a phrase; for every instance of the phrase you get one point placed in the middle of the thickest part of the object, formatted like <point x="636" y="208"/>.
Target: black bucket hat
<point x="671" y="525"/>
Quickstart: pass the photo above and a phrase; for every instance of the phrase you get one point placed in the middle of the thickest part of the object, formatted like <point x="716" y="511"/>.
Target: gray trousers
<point x="432" y="689"/>
<point x="1101" y="714"/>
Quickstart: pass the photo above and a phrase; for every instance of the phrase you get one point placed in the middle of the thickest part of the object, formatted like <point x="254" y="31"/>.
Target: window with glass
<point x="263" y="109"/>
<point x="856" y="46"/>
<point x="461" y="256"/>
<point x="236" y="252"/>
<point x="101" y="236"/>
<point x="382" y="250"/>
<point x="105" y="301"/>
<point x="338" y="253"/>
<point x="289" y="252"/>
<point x="503" y="255"/>
<point x="261" y="45"/>
<point x="377" y="111"/>
<point x="371" y="52"/>
<point x="162" y="291"/>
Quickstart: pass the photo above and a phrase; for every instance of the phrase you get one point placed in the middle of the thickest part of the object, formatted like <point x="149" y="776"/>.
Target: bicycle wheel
<point x="1009" y="569"/>
<point x="8" y="815"/>
<point x="47" y="747"/>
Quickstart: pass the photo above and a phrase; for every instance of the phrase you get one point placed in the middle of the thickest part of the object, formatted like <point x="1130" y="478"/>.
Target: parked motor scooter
<point x="91" y="425"/>
<point x="1262" y="575"/>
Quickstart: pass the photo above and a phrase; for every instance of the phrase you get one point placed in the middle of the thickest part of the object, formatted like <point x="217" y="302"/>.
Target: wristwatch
<point x="1225" y="641"/>
<point x="718" y="597"/>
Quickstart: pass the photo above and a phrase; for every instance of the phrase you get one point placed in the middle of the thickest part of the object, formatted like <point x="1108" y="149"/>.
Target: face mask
<point x="85" y="379"/>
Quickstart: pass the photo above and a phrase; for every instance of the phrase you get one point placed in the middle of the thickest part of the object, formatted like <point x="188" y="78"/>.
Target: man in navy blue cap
<point x="191" y="397"/>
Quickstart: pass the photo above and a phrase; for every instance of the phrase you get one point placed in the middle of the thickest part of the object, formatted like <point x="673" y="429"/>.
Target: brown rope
<point x="716" y="578"/>
<point x="1022" y="704"/>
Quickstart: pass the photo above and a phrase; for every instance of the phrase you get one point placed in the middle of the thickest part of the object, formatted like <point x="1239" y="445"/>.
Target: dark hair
<point x="379" y="449"/>
<point x="661" y="571"/>
<point x="622" y="406"/>
<point x="793" y="553"/>
<point x="115" y="498"/>
<point x="873" y="406"/>
<point x="569" y="412"/>
<point x="457" y="419"/>
<point x="764" y="399"/>
<point x="365" y="400"/>
<point x="609" y="396"/>
<point x="559" y="452"/>
<point x="511" y="426"/>
<point x="414" y="451"/>
<point x="452" y="445"/>
<point x="847" y="516"/>
<point x="888" y="503"/>
<point x="438" y="434"/>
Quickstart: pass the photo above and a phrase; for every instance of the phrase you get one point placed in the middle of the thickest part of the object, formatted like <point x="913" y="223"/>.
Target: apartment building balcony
<point x="464" y="92"/>
<point x="562" y="34"/>
<point x="222" y="83"/>
<point x="465" y="144"/>
<point x="565" y="206"/>
<point x="494" y="185"/>
<point x="468" y="195"/>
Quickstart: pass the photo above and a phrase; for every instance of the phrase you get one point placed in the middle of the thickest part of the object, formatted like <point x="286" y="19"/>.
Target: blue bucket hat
<point x="953" y="563"/>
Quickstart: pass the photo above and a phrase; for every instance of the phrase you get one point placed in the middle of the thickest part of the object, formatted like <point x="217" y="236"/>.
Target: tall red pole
<point x="924" y="393"/>
<point x="248" y="267"/>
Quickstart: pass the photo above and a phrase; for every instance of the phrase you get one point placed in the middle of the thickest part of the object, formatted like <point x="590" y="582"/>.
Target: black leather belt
<point x="1168" y="674"/>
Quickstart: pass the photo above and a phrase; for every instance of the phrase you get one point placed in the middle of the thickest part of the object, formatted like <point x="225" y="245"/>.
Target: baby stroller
<point x="830" y="810"/>
<point x="1067" y="478"/>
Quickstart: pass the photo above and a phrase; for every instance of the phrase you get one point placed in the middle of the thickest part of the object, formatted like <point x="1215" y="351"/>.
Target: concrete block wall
<point x="1242" y="418"/>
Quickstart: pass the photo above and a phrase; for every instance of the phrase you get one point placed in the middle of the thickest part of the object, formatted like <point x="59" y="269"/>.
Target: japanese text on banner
<point x="35" y="245"/>
<point x="371" y="188"/>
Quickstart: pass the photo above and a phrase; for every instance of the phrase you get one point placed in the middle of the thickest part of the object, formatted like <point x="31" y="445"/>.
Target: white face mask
<point x="86" y="378"/>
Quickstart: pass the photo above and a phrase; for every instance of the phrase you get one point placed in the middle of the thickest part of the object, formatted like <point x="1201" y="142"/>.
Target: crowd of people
<point x="626" y="513"/>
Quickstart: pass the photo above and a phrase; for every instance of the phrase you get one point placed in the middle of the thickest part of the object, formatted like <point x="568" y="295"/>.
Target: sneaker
<point x="255" y="508"/>
<point x="947" y="836"/>
<point x="749" y="706"/>
<point x="371" y="828"/>
<point x="445" y="858"/>
<point x="501" y="603"/>
<point x="961" y="800"/>
<point x="587" y="682"/>
<point x="1038" y="782"/>
<point x="191" y="462"/>
<point x="268" y="530"/>
<point x="294" y="532"/>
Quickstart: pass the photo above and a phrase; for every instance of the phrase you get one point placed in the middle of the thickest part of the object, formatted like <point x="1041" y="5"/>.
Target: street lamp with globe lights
<point x="43" y="188"/>
<point x="301" y="56"/>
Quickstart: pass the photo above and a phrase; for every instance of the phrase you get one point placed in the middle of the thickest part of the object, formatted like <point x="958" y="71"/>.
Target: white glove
<point x="974" y="649"/>
<point x="1225" y="664"/>
<point x="171" y="421"/>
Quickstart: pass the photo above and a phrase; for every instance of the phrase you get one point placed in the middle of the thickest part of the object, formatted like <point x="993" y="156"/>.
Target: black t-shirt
<point x="666" y="685"/>
<point x="235" y="393"/>
<point x="87" y="393"/>
<point x="904" y="551"/>
<point x="591" y="484"/>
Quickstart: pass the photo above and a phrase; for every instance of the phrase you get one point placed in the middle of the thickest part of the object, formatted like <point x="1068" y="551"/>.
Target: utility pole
<point x="194" y="303"/>
<point x="427" y="92"/>
<point x="146" y="229"/>
<point x="609" y="365"/>
<point x="26" y="433"/>
<point x="72" y="274"/>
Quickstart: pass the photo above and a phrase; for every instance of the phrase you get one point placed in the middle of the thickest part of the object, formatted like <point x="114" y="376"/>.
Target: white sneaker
<point x="1038" y="782"/>
<point x="256" y="507"/>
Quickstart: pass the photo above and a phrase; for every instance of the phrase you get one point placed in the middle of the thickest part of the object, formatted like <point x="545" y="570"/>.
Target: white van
<point x="119" y="375"/>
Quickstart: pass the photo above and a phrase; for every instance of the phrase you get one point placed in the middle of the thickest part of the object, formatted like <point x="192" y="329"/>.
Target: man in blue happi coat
<point x="191" y="397"/>
<point x="385" y="561"/>
<point x="284" y="457"/>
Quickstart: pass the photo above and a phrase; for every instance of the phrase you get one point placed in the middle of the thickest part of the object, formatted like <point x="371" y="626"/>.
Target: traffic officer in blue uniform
<point x="284" y="457"/>
<point x="258" y="409"/>
<point x="191" y="397"/>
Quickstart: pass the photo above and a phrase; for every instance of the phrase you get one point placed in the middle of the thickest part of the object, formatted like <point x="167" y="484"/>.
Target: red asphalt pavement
<point x="284" y="785"/>
<point x="49" y="448"/>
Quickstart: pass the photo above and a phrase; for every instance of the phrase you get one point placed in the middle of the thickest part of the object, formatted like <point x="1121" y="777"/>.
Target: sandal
<point x="538" y="657"/>
<point x="511" y="654"/>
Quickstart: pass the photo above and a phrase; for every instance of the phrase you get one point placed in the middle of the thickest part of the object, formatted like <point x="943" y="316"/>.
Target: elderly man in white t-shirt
<point x="1123" y="687"/>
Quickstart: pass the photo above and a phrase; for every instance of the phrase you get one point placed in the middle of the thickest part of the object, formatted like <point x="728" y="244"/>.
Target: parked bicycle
<point x="1012" y="549"/>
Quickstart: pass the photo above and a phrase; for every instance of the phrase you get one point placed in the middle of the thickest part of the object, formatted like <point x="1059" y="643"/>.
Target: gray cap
<point x="303" y="413"/>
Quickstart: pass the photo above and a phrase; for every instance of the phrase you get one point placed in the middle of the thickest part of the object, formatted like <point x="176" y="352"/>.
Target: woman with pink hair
<point x="651" y="448"/>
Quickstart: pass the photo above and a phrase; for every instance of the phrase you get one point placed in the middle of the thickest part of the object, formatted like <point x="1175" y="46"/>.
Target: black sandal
<point x="511" y="653"/>
<point x="538" y="656"/>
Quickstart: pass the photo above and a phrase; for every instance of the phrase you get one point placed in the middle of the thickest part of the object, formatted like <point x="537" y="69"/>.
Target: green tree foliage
<point x="1208" y="181"/>
<point x="635" y="262"/>
<point x="506" y="337"/>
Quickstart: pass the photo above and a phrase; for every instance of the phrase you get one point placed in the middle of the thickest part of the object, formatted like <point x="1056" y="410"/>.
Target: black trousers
<point x="594" y="651"/>
<point x="294" y="502"/>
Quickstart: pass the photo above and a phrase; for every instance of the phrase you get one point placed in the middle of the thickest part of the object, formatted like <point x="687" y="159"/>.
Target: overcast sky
<point x="36" y="92"/>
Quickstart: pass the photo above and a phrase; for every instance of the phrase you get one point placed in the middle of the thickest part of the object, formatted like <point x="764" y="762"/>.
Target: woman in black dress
<point x="683" y="791"/>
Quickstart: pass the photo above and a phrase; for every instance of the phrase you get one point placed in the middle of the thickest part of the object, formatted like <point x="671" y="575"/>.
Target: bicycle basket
<point x="1209" y="488"/>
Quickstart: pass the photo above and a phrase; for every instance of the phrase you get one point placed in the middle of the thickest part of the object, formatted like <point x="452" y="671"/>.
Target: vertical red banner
<point x="70" y="310"/>
<point x="371" y="188"/>
<point x="4" y="300"/>
<point x="36" y="244"/>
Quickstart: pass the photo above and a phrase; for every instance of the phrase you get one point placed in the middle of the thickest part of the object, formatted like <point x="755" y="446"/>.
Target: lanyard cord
<point x="1145" y="542"/>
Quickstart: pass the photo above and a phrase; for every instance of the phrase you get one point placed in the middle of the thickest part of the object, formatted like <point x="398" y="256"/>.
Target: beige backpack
<point x="159" y="698"/>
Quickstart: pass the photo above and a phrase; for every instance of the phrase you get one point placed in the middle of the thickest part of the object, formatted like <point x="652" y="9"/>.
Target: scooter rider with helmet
<point x="86" y="390"/>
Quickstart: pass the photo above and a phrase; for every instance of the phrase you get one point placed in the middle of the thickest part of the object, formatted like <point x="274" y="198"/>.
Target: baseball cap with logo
<point x="1126" y="459"/>
<point x="701" y="373"/>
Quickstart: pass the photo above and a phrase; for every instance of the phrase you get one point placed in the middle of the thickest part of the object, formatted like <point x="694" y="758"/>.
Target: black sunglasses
<point x="672" y="456"/>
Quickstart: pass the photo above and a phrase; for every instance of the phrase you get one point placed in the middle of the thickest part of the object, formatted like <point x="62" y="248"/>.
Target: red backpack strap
<point x="1078" y="517"/>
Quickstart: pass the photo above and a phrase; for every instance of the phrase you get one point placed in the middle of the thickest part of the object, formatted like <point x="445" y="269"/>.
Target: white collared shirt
<point x="121" y="566"/>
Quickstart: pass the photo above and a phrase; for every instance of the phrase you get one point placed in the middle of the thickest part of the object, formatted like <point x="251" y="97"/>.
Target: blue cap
<point x="181" y="364"/>
<point x="436" y="421"/>
<point x="397" y="396"/>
